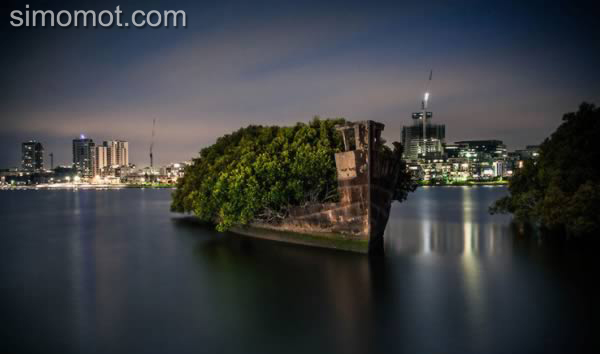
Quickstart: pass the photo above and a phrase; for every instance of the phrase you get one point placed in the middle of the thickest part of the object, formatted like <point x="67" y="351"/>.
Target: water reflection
<point x="454" y="221"/>
<point x="329" y="293"/>
<point x="114" y="271"/>
<point x="353" y="298"/>
<point x="471" y="265"/>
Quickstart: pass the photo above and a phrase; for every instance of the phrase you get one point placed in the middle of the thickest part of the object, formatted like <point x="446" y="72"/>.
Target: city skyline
<point x="115" y="152"/>
<point x="45" y="155"/>
<point x="500" y="72"/>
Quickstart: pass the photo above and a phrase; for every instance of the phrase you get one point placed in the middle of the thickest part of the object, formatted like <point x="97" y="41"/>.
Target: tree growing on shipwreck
<point x="264" y="174"/>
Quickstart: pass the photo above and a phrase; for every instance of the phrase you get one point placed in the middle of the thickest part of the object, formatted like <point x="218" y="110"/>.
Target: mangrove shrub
<point x="259" y="173"/>
<point x="561" y="189"/>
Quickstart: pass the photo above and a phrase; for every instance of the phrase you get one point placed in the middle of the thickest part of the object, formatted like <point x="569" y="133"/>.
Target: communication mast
<point x="152" y="146"/>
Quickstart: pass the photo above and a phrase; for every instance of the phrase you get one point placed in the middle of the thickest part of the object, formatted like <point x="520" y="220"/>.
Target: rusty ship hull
<point x="366" y="184"/>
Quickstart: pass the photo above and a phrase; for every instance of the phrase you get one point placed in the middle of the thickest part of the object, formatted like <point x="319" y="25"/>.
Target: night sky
<point x="503" y="70"/>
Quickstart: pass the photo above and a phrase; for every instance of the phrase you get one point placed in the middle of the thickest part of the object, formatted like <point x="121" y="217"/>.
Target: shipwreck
<point x="367" y="177"/>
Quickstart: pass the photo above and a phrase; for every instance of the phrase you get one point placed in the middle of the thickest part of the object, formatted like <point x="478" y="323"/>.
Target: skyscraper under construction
<point x="422" y="139"/>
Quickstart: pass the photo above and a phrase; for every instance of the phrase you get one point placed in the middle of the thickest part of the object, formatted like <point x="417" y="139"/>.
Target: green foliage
<point x="561" y="190"/>
<point x="258" y="173"/>
<point x="405" y="183"/>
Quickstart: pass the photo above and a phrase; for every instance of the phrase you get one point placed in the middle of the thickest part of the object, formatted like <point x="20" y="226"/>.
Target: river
<point x="113" y="271"/>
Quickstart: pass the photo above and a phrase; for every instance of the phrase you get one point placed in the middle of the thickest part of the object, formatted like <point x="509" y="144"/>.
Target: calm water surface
<point x="114" y="272"/>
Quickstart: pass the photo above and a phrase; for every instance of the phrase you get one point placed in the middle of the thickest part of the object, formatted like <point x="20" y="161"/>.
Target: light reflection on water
<point x="114" y="271"/>
<point x="448" y="220"/>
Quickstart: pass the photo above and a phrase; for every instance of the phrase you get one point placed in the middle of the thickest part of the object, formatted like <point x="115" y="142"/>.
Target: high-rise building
<point x="32" y="156"/>
<point x="111" y="147"/>
<point x="484" y="158"/>
<point x="423" y="139"/>
<point x="123" y="153"/>
<point x="101" y="159"/>
<point x="117" y="153"/>
<point x="482" y="149"/>
<point x="84" y="156"/>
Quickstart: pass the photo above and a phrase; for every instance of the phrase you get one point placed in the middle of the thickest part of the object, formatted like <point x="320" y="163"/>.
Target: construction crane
<point x="152" y="146"/>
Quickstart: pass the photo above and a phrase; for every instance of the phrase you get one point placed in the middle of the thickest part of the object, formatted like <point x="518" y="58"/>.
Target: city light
<point x="432" y="160"/>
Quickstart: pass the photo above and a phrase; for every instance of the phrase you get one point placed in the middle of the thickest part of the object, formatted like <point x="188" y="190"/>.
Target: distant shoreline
<point x="87" y="187"/>
<point x="172" y="186"/>
<point x="465" y="184"/>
